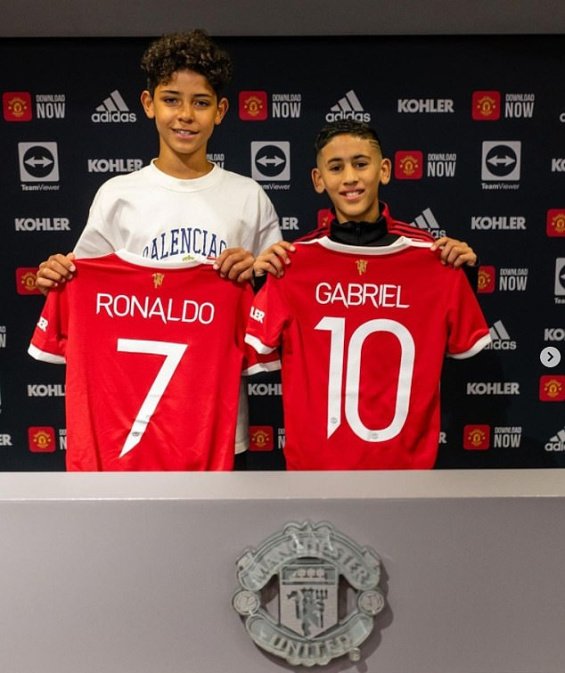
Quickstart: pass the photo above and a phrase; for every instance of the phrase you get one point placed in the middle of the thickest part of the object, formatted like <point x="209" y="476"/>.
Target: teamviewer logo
<point x="38" y="162"/>
<point x="560" y="277"/>
<point x="501" y="160"/>
<point x="270" y="161"/>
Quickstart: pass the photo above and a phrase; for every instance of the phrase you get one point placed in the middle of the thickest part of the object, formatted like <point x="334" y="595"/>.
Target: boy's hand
<point x="55" y="270"/>
<point x="454" y="252"/>
<point x="235" y="264"/>
<point x="274" y="259"/>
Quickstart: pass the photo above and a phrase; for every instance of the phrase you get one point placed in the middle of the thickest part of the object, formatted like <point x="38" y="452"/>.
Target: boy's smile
<point x="186" y="110"/>
<point x="350" y="169"/>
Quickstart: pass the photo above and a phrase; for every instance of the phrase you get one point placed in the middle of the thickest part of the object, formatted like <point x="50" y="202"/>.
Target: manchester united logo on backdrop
<point x="253" y="105"/>
<point x="408" y="165"/>
<point x="306" y="569"/>
<point x="476" y="437"/>
<point x="486" y="105"/>
<point x="17" y="106"/>
<point x="556" y="222"/>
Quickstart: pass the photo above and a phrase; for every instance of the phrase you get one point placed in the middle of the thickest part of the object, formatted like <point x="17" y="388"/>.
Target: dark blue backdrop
<point x="475" y="127"/>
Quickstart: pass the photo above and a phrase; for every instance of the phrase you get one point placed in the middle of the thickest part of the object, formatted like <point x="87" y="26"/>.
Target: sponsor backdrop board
<point x="474" y="126"/>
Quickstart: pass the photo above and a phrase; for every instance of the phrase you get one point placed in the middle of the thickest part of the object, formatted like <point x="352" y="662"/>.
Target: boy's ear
<point x="223" y="105"/>
<point x="386" y="171"/>
<point x="318" y="181"/>
<point x="147" y="102"/>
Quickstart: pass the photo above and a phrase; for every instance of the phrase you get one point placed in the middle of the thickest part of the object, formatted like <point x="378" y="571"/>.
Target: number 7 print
<point x="173" y="353"/>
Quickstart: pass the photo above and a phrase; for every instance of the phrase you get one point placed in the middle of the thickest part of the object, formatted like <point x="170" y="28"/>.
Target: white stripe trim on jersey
<point x="258" y="345"/>
<point x="260" y="367"/>
<point x="476" y="348"/>
<point x="402" y="243"/>
<point x="44" y="356"/>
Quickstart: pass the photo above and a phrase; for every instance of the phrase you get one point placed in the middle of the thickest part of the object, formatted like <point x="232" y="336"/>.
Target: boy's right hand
<point x="274" y="259"/>
<point x="57" y="269"/>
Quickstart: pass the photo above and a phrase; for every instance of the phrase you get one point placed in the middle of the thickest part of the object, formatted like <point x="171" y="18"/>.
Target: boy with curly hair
<point x="180" y="206"/>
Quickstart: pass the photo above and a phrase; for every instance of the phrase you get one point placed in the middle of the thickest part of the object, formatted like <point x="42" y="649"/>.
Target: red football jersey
<point x="154" y="354"/>
<point x="363" y="333"/>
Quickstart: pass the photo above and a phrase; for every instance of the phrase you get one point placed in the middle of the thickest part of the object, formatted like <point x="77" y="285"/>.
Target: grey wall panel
<point x="135" y="573"/>
<point x="30" y="18"/>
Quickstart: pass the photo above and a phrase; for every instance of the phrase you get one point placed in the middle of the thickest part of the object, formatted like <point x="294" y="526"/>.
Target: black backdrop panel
<point x="475" y="127"/>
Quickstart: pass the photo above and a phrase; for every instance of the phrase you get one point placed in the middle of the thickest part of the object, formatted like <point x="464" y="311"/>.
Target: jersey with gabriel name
<point x="154" y="355"/>
<point x="363" y="332"/>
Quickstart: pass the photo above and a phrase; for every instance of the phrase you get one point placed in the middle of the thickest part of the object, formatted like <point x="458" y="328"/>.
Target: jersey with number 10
<point x="363" y="333"/>
<point x="154" y="354"/>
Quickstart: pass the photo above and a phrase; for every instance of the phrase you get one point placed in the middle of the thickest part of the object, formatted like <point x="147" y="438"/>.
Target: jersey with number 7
<point x="363" y="333"/>
<point x="154" y="354"/>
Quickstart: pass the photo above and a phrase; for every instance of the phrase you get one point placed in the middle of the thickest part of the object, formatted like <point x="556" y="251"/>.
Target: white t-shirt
<point x="152" y="214"/>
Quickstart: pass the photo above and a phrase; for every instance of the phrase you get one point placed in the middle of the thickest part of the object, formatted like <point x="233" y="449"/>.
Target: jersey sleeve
<point x="255" y="362"/>
<point x="468" y="329"/>
<point x="267" y="317"/>
<point x="49" y="339"/>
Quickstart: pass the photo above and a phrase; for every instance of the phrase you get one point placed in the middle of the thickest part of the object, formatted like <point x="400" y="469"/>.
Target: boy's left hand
<point x="455" y="253"/>
<point x="235" y="264"/>
<point x="274" y="259"/>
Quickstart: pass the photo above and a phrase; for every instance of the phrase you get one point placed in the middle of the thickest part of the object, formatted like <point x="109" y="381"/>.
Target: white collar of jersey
<point x="401" y="243"/>
<point x="138" y="260"/>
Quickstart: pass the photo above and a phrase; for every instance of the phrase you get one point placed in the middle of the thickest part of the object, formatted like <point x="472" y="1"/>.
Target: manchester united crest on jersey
<point x="361" y="265"/>
<point x="306" y="568"/>
<point x="158" y="279"/>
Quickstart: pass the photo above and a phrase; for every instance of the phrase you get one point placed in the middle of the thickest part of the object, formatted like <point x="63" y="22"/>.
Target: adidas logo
<point x="113" y="110"/>
<point x="556" y="443"/>
<point x="348" y="107"/>
<point x="428" y="222"/>
<point x="501" y="340"/>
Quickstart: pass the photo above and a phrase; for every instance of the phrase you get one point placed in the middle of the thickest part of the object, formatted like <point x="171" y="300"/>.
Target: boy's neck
<point x="184" y="169"/>
<point x="362" y="233"/>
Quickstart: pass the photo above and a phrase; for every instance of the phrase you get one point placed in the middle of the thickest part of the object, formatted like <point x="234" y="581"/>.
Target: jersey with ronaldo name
<point x="154" y="354"/>
<point x="363" y="333"/>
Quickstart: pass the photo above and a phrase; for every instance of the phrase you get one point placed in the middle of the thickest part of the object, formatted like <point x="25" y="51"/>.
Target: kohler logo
<point x="425" y="105"/>
<point x="46" y="390"/>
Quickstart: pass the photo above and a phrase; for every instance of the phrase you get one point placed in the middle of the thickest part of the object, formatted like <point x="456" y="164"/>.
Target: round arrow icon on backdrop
<point x="271" y="159"/>
<point x="39" y="162"/>
<point x="550" y="357"/>
<point x="501" y="160"/>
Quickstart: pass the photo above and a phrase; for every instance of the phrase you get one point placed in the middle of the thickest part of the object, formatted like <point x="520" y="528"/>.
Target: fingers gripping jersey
<point x="154" y="356"/>
<point x="363" y="333"/>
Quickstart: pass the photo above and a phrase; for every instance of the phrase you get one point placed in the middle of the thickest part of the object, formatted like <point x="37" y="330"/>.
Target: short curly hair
<point x="193" y="50"/>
